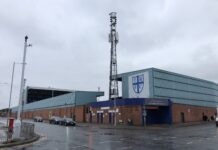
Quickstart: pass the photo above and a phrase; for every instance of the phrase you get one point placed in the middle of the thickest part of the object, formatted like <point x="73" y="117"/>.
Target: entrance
<point x="99" y="117"/>
<point x="90" y="117"/>
<point x="111" y="118"/>
<point x="158" y="115"/>
<point x="182" y="117"/>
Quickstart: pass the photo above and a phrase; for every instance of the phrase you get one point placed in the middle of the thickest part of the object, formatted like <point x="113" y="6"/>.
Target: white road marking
<point x="79" y="146"/>
<point x="108" y="142"/>
<point x="129" y="147"/>
<point x="189" y="142"/>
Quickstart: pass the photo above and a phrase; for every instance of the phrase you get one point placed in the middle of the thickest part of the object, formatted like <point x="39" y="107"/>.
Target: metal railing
<point x="27" y="130"/>
<point x="3" y="134"/>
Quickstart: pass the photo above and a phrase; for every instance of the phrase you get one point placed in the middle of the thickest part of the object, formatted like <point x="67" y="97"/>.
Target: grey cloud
<point x="70" y="40"/>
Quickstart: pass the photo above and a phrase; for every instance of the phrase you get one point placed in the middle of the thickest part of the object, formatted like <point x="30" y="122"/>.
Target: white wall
<point x="139" y="85"/>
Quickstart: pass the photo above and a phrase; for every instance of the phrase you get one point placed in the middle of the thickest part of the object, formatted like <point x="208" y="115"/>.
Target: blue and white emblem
<point x="138" y="83"/>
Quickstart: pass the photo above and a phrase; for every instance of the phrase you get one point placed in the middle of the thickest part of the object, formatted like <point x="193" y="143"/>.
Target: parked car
<point x="67" y="121"/>
<point x="54" y="120"/>
<point x="217" y="121"/>
<point x="37" y="119"/>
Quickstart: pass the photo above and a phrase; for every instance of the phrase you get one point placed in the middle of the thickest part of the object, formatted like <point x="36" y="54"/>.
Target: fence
<point x="3" y="134"/>
<point x="27" y="130"/>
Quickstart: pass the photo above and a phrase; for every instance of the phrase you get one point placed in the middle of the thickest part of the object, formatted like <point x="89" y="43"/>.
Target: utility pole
<point x="22" y="77"/>
<point x="24" y="83"/>
<point x="113" y="82"/>
<point x="9" y="105"/>
<point x="11" y="90"/>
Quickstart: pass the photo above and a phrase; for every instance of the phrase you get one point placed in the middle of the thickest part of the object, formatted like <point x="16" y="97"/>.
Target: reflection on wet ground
<point x="199" y="137"/>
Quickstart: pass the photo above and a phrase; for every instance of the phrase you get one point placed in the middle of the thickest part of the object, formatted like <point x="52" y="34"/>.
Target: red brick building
<point x="146" y="112"/>
<point x="149" y="96"/>
<point x="73" y="105"/>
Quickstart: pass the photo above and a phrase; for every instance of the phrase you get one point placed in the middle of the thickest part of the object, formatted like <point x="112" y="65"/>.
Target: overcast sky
<point x="70" y="41"/>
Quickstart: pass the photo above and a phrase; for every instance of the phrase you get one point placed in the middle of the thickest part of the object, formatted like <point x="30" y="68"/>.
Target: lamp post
<point x="11" y="89"/>
<point x="3" y="83"/>
<point x="23" y="101"/>
<point x="22" y="77"/>
<point x="74" y="110"/>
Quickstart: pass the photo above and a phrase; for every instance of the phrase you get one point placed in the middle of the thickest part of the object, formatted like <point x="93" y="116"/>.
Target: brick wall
<point x="65" y="111"/>
<point x="125" y="112"/>
<point x="191" y="113"/>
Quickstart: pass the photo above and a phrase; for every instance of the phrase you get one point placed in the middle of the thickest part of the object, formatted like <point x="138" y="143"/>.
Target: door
<point x="110" y="118"/>
<point x="144" y="114"/>
<point x="98" y="116"/>
<point x="182" y="116"/>
<point x="90" y="117"/>
<point x="101" y="115"/>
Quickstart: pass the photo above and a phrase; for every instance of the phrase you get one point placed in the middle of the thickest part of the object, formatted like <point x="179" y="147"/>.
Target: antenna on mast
<point x="113" y="39"/>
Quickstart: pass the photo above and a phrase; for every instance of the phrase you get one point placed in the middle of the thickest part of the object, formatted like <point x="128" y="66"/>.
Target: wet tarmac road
<point x="198" y="137"/>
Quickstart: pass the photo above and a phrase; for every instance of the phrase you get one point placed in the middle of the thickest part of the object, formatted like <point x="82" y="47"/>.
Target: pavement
<point x="20" y="142"/>
<point x="16" y="141"/>
<point x="121" y="126"/>
<point x="3" y="135"/>
<point x="94" y="137"/>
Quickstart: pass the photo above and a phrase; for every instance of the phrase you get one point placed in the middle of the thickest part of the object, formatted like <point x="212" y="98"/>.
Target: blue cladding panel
<point x="58" y="101"/>
<point x="183" y="94"/>
<point x="120" y="102"/>
<point x="86" y="97"/>
<point x="184" y="87"/>
<point x="80" y="97"/>
<point x="132" y="101"/>
<point x="125" y="89"/>
<point x="179" y="88"/>
<point x="185" y="90"/>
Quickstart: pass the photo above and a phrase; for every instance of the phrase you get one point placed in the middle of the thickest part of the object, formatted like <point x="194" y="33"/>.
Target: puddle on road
<point x="94" y="131"/>
<point x="107" y="134"/>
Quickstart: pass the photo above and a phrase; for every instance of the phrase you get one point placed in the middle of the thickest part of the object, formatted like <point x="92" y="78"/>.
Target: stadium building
<point x="154" y="96"/>
<point x="73" y="105"/>
<point x="149" y="96"/>
<point x="34" y="94"/>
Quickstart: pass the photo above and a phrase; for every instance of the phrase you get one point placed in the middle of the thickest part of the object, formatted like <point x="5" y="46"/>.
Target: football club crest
<point x="138" y="83"/>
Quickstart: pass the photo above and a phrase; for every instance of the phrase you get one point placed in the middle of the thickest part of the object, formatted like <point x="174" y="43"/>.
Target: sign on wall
<point x="139" y="85"/>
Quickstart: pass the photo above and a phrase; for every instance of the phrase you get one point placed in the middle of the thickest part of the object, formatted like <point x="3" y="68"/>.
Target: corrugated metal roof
<point x="63" y="100"/>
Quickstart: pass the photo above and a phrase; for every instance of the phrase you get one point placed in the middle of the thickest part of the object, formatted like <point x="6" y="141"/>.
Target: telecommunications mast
<point x="113" y="39"/>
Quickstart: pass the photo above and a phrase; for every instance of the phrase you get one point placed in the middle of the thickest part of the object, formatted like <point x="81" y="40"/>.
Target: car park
<point x="54" y="120"/>
<point x="37" y="119"/>
<point x="67" y="121"/>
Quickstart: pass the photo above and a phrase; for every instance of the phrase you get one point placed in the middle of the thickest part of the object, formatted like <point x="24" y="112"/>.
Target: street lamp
<point x="3" y="83"/>
<point x="11" y="89"/>
<point x="23" y="100"/>
<point x="74" y="110"/>
<point x="22" y="77"/>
